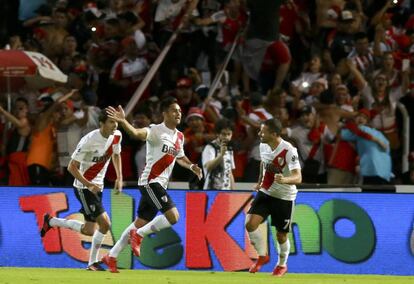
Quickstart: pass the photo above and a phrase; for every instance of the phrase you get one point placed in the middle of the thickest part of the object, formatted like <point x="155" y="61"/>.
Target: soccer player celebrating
<point x="279" y="174"/>
<point x="88" y="165"/>
<point x="164" y="146"/>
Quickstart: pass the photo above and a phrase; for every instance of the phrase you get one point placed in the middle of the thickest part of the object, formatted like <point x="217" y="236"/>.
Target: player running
<point x="164" y="146"/>
<point x="88" y="165"/>
<point x="279" y="173"/>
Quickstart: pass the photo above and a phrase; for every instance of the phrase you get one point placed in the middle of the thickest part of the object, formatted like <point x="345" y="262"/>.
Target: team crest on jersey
<point x="280" y="160"/>
<point x="164" y="198"/>
<point x="92" y="207"/>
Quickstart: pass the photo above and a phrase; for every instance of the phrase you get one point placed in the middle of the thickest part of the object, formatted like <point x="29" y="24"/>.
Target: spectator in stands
<point x="18" y="142"/>
<point x="185" y="95"/>
<point x="68" y="134"/>
<point x="316" y="89"/>
<point x="397" y="80"/>
<point x="128" y="71"/>
<point x="232" y="19"/>
<point x="218" y="160"/>
<point x="142" y="118"/>
<point x="197" y="134"/>
<point x="275" y="66"/>
<point x="130" y="25"/>
<point x="343" y="99"/>
<point x="340" y="156"/>
<point x="309" y="134"/>
<point x="41" y="150"/>
<point x="374" y="161"/>
<point x="362" y="54"/>
<point x="343" y="39"/>
<point x="253" y="121"/>
<point x="312" y="72"/>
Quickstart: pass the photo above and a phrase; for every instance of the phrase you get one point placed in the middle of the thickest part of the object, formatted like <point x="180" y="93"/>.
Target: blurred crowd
<point x="336" y="73"/>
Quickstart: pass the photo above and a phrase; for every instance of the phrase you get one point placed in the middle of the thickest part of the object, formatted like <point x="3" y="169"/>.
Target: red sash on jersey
<point x="269" y="176"/>
<point x="93" y="171"/>
<point x="165" y="160"/>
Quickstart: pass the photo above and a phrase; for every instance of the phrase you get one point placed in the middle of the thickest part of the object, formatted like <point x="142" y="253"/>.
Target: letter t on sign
<point x="40" y="205"/>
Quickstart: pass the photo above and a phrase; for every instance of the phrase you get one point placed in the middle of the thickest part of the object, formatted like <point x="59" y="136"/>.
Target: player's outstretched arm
<point x="118" y="115"/>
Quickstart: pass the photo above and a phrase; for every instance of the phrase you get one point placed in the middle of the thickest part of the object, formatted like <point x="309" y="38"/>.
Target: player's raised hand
<point x="197" y="170"/>
<point x="116" y="114"/>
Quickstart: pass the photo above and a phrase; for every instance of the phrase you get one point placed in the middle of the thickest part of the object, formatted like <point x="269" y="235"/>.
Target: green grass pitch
<point x="13" y="275"/>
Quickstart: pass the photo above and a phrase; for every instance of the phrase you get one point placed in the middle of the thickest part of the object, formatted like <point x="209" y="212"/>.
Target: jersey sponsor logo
<point x="101" y="159"/>
<point x="94" y="170"/>
<point x="294" y="158"/>
<point x="164" y="198"/>
<point x="169" y="150"/>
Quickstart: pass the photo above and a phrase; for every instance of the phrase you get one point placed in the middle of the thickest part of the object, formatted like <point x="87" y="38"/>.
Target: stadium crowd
<point x="336" y="73"/>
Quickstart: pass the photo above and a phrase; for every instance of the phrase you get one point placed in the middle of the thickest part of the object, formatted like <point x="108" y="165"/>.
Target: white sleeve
<point x="152" y="134"/>
<point x="181" y="151"/>
<point x="292" y="159"/>
<point x="82" y="149"/>
<point x="116" y="148"/>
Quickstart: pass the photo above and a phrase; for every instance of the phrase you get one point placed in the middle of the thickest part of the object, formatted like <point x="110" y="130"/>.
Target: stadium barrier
<point x="333" y="232"/>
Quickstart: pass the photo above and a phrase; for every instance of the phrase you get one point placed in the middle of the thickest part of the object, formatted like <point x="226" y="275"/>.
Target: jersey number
<point x="287" y="221"/>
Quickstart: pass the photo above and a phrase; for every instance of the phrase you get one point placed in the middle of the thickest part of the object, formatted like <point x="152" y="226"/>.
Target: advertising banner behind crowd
<point x="333" y="232"/>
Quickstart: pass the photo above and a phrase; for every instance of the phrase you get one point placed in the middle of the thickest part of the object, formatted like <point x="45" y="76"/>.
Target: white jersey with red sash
<point x="282" y="160"/>
<point x="164" y="145"/>
<point x="94" y="153"/>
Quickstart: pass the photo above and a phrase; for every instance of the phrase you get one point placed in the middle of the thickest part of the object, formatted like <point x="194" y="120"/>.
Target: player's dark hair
<point x="165" y="103"/>
<point x="103" y="116"/>
<point x="223" y="123"/>
<point x="274" y="125"/>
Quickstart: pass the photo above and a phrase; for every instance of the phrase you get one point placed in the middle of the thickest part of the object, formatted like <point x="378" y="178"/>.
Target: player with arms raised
<point x="164" y="146"/>
<point x="279" y="174"/>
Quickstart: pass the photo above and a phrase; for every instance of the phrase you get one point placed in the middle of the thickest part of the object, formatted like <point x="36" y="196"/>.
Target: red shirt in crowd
<point x="276" y="54"/>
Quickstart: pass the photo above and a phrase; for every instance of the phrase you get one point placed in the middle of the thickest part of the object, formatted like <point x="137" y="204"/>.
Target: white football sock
<point x="156" y="225"/>
<point x="283" y="250"/>
<point x="97" y="239"/>
<point x="66" y="223"/>
<point x="122" y="242"/>
<point x="259" y="240"/>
